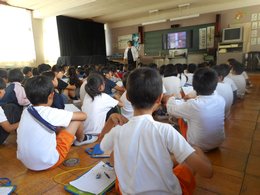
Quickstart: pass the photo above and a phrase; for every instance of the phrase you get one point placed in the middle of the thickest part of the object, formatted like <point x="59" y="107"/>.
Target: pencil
<point x="107" y="175"/>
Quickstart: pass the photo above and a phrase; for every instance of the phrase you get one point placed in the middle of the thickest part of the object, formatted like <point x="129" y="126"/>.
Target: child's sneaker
<point x="88" y="139"/>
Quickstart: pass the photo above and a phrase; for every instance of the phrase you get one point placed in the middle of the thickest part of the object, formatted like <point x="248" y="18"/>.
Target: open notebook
<point x="96" y="181"/>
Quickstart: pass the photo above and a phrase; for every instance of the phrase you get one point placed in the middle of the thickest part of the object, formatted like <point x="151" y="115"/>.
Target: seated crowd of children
<point x="117" y="108"/>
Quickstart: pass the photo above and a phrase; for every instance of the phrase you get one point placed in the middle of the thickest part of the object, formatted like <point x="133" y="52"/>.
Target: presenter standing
<point x="131" y="54"/>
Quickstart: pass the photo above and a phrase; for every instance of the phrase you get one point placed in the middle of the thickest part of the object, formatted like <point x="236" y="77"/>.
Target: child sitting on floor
<point x="225" y="69"/>
<point x="143" y="147"/>
<point x="96" y="105"/>
<point x="238" y="78"/>
<point x="38" y="146"/>
<point x="127" y="110"/>
<point x="15" y="93"/>
<point x="204" y="114"/>
<point x="224" y="89"/>
<point x="10" y="115"/>
<point x="58" y="101"/>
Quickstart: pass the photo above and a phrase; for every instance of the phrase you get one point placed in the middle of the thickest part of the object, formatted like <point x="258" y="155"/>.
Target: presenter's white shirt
<point x="96" y="112"/>
<point x="36" y="144"/>
<point x="205" y="118"/>
<point x="142" y="149"/>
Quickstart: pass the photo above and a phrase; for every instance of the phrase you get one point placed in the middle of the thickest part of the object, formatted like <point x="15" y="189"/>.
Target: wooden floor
<point x="236" y="163"/>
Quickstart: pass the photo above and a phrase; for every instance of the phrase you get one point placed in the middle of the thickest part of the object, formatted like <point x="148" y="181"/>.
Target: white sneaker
<point x="88" y="139"/>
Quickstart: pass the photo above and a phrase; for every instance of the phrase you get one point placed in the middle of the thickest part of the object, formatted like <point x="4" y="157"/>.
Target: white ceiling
<point x="119" y="13"/>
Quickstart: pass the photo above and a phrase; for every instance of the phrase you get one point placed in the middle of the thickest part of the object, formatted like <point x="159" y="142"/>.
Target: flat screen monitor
<point x="230" y="35"/>
<point x="176" y="40"/>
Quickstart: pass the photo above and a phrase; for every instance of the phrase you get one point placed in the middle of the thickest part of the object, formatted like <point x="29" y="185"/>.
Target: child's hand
<point x="165" y="99"/>
<point x="118" y="119"/>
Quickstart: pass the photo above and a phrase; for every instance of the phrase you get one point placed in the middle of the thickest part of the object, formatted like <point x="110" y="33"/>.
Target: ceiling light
<point x="184" y="17"/>
<point x="153" y="11"/>
<point x="184" y="5"/>
<point x="154" y="22"/>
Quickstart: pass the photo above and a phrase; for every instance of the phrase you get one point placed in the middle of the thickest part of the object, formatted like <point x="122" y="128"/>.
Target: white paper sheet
<point x="5" y="190"/>
<point x="187" y="90"/>
<point x="71" y="107"/>
<point x="89" y="183"/>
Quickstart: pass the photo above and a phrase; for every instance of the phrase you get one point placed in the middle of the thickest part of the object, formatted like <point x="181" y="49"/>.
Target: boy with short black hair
<point x="43" y="68"/>
<point x="58" y="101"/>
<point x="204" y="114"/>
<point x="109" y="84"/>
<point x="142" y="147"/>
<point x="27" y="71"/>
<point x="38" y="147"/>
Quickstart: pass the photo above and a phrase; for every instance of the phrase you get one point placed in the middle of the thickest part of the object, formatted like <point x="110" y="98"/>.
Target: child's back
<point x="170" y="80"/>
<point x="205" y="114"/>
<point x="240" y="82"/>
<point x="96" y="104"/>
<point x="141" y="153"/>
<point x="96" y="110"/>
<point x="238" y="78"/>
<point x="225" y="90"/>
<point x="127" y="110"/>
<point x="172" y="85"/>
<point x="205" y="118"/>
<point x="36" y="144"/>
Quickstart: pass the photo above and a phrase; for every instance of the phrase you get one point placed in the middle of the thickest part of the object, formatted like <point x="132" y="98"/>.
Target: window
<point x="16" y="37"/>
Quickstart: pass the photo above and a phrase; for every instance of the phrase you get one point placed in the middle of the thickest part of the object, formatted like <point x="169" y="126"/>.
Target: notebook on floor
<point x="97" y="180"/>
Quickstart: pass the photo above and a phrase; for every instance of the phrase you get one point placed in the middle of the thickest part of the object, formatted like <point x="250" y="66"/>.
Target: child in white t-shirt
<point x="142" y="147"/>
<point x="225" y="69"/>
<point x="181" y="75"/>
<point x="190" y="72"/>
<point x="224" y="89"/>
<point x="96" y="105"/>
<point x="38" y="146"/>
<point x="171" y="82"/>
<point x="127" y="110"/>
<point x="233" y="61"/>
<point x="238" y="78"/>
<point x="204" y="114"/>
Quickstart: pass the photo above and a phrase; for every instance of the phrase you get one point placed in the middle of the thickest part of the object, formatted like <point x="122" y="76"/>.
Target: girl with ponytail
<point x="96" y="105"/>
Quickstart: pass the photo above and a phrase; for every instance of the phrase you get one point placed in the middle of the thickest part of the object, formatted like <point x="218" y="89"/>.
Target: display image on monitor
<point x="176" y="40"/>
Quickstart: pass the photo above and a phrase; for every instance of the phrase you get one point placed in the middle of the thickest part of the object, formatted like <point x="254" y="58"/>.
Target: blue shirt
<point x="109" y="85"/>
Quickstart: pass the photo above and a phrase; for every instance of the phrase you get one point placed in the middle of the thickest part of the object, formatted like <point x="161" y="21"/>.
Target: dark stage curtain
<point x="80" y="37"/>
<point x="81" y="60"/>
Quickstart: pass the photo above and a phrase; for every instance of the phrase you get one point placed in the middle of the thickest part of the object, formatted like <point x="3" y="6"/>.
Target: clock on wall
<point x="239" y="15"/>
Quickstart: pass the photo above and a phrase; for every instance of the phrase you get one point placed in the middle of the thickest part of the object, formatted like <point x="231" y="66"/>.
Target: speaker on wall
<point x="141" y="34"/>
